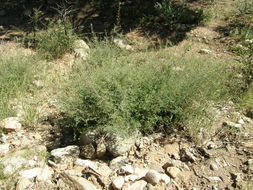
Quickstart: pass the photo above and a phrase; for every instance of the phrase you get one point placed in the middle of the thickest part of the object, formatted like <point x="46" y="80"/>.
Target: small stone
<point x="140" y="172"/>
<point x="165" y="178"/>
<point x="214" y="166"/>
<point x="69" y="151"/>
<point x="81" y="49"/>
<point x="11" y="124"/>
<point x="153" y="177"/>
<point x="232" y="124"/>
<point x="217" y="179"/>
<point x="138" y="185"/>
<point x="83" y="183"/>
<point x="173" y="172"/>
<point x="4" y="149"/>
<point x="205" y="51"/>
<point x="186" y="155"/>
<point x="87" y="137"/>
<point x="157" y="167"/>
<point x="85" y="163"/>
<point x="241" y="121"/>
<point x="45" y="174"/>
<point x="74" y="173"/>
<point x="118" y="146"/>
<point x="101" y="149"/>
<point x="127" y="169"/>
<point x="119" y="162"/>
<point x="29" y="174"/>
<point x="118" y="183"/>
<point x="87" y="151"/>
<point x="131" y="178"/>
<point x="11" y="165"/>
<point x="23" y="184"/>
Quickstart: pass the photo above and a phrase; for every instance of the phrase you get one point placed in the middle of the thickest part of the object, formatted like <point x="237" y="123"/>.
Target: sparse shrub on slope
<point x="120" y="92"/>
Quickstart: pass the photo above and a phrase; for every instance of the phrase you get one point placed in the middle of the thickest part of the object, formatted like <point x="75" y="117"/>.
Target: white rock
<point x="45" y="174"/>
<point x="165" y="178"/>
<point x="11" y="124"/>
<point x="130" y="178"/>
<point x="84" y="183"/>
<point x="241" y="121"/>
<point x="205" y="51"/>
<point x="140" y="172"/>
<point x="12" y="164"/>
<point x="118" y="146"/>
<point x="173" y="171"/>
<point x="31" y="173"/>
<point x="85" y="163"/>
<point x="23" y="184"/>
<point x="153" y="177"/>
<point x="217" y="179"/>
<point x="81" y="49"/>
<point x="122" y="45"/>
<point x="138" y="185"/>
<point x="4" y="149"/>
<point x="69" y="151"/>
<point x="118" y="183"/>
<point x="118" y="162"/>
<point x="127" y="169"/>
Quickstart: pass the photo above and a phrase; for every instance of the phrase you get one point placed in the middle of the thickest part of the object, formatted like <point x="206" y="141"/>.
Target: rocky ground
<point x="224" y="161"/>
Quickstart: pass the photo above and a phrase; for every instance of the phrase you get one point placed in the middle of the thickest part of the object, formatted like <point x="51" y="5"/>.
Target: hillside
<point x="125" y="95"/>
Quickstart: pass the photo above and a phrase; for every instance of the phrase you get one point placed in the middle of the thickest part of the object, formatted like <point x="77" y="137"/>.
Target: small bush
<point x="57" y="40"/>
<point x="118" y="92"/>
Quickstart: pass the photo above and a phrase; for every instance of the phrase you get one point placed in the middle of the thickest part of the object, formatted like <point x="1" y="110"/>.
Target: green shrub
<point x="115" y="91"/>
<point x="56" y="40"/>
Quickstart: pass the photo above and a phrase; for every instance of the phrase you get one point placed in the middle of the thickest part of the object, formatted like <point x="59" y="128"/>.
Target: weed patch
<point x="118" y="92"/>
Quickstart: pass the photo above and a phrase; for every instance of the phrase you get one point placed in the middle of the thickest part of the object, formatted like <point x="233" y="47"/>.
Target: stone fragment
<point x="87" y="151"/>
<point x="165" y="178"/>
<point x="214" y="166"/>
<point x="138" y="185"/>
<point x="85" y="163"/>
<point x="78" y="182"/>
<point x="131" y="178"/>
<point x="11" y="124"/>
<point x="125" y="170"/>
<point x="122" y="45"/>
<point x="11" y="165"/>
<point x="216" y="179"/>
<point x="41" y="174"/>
<point x="81" y="49"/>
<point x="205" y="51"/>
<point x="157" y="167"/>
<point x="23" y="184"/>
<point x="118" y="162"/>
<point x="45" y="174"/>
<point x="153" y="177"/>
<point x="187" y="155"/>
<point x="4" y="149"/>
<point x="87" y="137"/>
<point x="118" y="183"/>
<point x="140" y="172"/>
<point x="29" y="174"/>
<point x="173" y="172"/>
<point x="101" y="149"/>
<point x="118" y="146"/>
<point x="69" y="151"/>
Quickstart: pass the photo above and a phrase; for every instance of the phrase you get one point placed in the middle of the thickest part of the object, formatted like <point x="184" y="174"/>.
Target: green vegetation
<point x="121" y="92"/>
<point x="56" y="40"/>
<point x="16" y="74"/>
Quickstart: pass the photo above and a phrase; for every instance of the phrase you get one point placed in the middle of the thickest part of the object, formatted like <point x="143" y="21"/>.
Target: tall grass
<point x="16" y="73"/>
<point x="118" y="92"/>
